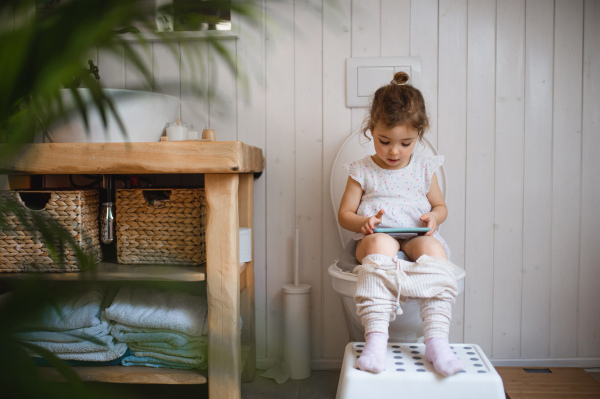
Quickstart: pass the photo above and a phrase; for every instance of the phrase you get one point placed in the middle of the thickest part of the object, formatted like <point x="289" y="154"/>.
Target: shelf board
<point x="136" y="158"/>
<point x="130" y="375"/>
<point x="108" y="271"/>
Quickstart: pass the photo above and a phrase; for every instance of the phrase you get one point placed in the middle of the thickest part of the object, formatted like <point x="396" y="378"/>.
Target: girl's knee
<point x="378" y="243"/>
<point x="424" y="245"/>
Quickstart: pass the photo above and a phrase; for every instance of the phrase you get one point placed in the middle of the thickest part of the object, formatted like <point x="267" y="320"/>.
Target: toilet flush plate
<point x="364" y="75"/>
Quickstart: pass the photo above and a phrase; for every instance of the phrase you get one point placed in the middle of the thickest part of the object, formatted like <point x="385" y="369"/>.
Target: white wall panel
<point x="508" y="212"/>
<point x="395" y="28"/>
<point x="424" y="44"/>
<point x="480" y="194"/>
<point x="134" y="80"/>
<point x="112" y="65"/>
<point x="337" y="126"/>
<point x="223" y="91"/>
<point x="537" y="188"/>
<point x="589" y="276"/>
<point x="308" y="80"/>
<point x="452" y="135"/>
<point x="280" y="165"/>
<point x="194" y="86"/>
<point x="566" y="177"/>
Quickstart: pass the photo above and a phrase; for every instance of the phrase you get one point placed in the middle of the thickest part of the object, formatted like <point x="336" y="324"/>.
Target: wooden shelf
<point x="110" y="271"/>
<point x="130" y="375"/>
<point x="136" y="158"/>
<point x="106" y="271"/>
<point x="229" y="168"/>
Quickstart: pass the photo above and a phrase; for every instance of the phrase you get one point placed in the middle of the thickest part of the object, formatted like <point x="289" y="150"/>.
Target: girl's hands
<point x="429" y="221"/>
<point x="371" y="223"/>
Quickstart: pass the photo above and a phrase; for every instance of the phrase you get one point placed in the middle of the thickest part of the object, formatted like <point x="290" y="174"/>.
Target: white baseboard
<point x="583" y="362"/>
<point x="336" y="363"/>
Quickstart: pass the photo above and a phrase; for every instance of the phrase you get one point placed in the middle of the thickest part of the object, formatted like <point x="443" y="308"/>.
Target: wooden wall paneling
<point x="111" y="68"/>
<point x="452" y="134"/>
<point x="251" y="129"/>
<point x="223" y="91"/>
<point x="395" y="28"/>
<point x="509" y="145"/>
<point x="424" y="43"/>
<point x="589" y="295"/>
<point x="134" y="80"/>
<point x="337" y="126"/>
<point x="308" y="82"/>
<point x="537" y="180"/>
<point x="479" y="218"/>
<point x="280" y="165"/>
<point x="194" y="86"/>
<point x="566" y="173"/>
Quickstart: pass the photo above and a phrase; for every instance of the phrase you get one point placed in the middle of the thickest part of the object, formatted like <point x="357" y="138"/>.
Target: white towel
<point x="164" y="310"/>
<point x="68" y="312"/>
<point x="77" y="335"/>
<point x="99" y="344"/>
<point x="106" y="355"/>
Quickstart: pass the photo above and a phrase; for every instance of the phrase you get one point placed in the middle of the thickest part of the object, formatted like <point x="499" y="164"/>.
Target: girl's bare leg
<point x="423" y="245"/>
<point x="378" y="243"/>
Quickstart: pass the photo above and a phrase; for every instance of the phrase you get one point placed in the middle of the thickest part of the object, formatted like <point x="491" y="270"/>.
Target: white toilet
<point x="408" y="326"/>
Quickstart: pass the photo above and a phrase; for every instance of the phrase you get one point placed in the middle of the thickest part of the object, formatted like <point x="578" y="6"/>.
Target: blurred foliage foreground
<point x="43" y="48"/>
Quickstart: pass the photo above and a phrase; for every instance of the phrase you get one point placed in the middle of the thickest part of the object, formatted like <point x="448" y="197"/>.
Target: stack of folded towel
<point x="161" y="328"/>
<point x="73" y="328"/>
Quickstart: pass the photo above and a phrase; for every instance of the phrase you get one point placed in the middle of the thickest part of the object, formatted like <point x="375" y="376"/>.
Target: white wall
<point x="513" y="91"/>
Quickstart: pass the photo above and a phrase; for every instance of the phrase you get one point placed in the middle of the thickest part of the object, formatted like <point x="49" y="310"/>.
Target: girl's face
<point x="394" y="146"/>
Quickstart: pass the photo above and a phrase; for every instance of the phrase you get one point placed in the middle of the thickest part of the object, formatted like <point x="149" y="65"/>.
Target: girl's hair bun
<point x="401" y="77"/>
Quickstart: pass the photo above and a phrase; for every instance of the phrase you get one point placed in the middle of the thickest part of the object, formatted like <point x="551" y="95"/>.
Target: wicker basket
<point x="75" y="210"/>
<point x="161" y="226"/>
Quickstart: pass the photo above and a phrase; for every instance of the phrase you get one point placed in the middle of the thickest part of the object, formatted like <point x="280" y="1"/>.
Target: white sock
<point x="372" y="357"/>
<point x="438" y="352"/>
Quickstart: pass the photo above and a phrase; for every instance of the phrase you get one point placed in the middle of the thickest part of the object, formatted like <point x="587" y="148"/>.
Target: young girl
<point x="396" y="188"/>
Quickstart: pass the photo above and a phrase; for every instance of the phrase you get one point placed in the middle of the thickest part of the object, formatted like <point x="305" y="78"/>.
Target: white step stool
<point x="408" y="375"/>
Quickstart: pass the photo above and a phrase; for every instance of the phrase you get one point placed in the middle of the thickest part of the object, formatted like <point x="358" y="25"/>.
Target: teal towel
<point x="155" y="362"/>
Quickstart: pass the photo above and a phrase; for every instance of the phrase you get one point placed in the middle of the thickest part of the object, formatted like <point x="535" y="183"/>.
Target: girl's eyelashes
<point x="384" y="142"/>
<point x="406" y="144"/>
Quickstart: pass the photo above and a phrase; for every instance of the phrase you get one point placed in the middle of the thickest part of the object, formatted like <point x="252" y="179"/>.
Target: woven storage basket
<point x="76" y="211"/>
<point x="169" y="231"/>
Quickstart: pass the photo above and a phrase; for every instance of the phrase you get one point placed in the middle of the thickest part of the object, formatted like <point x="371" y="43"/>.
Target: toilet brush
<point x="297" y="321"/>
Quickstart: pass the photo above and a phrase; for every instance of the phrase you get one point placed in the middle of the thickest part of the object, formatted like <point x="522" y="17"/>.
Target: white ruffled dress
<point x="401" y="193"/>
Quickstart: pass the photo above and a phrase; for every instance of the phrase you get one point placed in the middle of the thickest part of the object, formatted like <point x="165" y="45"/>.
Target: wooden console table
<point x="228" y="168"/>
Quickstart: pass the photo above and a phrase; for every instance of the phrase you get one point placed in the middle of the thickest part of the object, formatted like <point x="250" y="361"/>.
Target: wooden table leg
<point x="223" y="286"/>
<point x="246" y="214"/>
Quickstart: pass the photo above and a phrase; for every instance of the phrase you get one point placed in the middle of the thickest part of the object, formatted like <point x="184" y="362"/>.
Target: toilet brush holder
<point x="297" y="330"/>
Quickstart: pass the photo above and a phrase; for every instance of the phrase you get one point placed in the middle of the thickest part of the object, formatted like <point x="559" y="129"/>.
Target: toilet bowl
<point x="407" y="327"/>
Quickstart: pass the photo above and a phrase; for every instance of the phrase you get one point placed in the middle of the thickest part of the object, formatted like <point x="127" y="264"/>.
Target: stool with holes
<point x="408" y="375"/>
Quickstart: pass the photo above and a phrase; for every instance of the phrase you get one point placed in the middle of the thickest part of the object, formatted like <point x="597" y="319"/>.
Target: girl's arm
<point x="347" y="216"/>
<point x="438" y="212"/>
